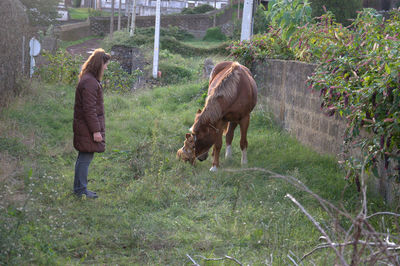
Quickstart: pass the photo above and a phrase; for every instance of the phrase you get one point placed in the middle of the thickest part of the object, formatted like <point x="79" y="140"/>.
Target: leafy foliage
<point x="166" y="42"/>
<point x="118" y="80"/>
<point x="197" y="10"/>
<point x="41" y="12"/>
<point x="260" y="20"/>
<point x="359" y="79"/>
<point x="214" y="34"/>
<point x="288" y="15"/>
<point x="63" y="67"/>
<point x="343" y="10"/>
<point x="60" y="67"/>
<point x="173" y="74"/>
<point x="268" y="45"/>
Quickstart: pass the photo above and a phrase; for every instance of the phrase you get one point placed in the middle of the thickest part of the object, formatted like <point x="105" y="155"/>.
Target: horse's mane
<point x="223" y="87"/>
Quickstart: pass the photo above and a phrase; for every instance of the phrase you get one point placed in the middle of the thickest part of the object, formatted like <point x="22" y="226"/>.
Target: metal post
<point x="246" y="20"/>
<point x="119" y="15"/>
<point x="23" y="55"/>
<point x="156" y="40"/>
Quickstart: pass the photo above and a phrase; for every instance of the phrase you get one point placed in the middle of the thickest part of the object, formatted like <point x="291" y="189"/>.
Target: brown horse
<point x="232" y="95"/>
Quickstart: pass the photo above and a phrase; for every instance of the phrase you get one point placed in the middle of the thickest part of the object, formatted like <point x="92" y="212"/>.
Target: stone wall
<point x="74" y="31"/>
<point x="196" y="24"/>
<point x="283" y="89"/>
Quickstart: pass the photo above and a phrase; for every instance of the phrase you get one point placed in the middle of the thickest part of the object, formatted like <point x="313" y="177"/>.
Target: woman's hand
<point x="97" y="137"/>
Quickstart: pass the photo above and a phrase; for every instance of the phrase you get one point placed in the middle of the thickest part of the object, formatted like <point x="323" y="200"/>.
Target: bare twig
<point x="192" y="260"/>
<point x="319" y="228"/>
<point x="382" y="213"/>
<point x="390" y="246"/>
<point x="218" y="259"/>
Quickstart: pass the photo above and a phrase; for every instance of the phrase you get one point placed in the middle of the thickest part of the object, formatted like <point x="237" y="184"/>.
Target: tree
<point x="343" y="10"/>
<point x="41" y="12"/>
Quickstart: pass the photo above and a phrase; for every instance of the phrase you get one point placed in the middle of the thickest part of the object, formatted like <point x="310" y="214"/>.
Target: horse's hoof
<point x="213" y="169"/>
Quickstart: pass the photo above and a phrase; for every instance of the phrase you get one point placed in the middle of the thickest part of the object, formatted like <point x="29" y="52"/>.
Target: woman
<point x="89" y="123"/>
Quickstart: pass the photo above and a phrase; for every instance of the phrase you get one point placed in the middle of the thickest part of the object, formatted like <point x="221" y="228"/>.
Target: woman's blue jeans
<point x="81" y="171"/>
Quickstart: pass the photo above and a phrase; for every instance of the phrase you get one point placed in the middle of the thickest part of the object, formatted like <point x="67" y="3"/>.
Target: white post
<point x="119" y="15"/>
<point x="156" y="40"/>
<point x="132" y="31"/>
<point x="246" y="20"/>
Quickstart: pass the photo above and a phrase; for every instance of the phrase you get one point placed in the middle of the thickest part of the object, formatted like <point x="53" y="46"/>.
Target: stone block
<point x="333" y="129"/>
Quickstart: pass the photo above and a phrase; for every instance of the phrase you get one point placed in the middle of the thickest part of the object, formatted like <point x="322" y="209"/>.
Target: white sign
<point x="34" y="46"/>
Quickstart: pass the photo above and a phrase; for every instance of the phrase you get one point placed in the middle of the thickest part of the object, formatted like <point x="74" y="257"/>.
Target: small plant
<point x="288" y="15"/>
<point x="61" y="67"/>
<point x="118" y="80"/>
<point x="172" y="74"/>
<point x="197" y="10"/>
<point x="214" y="34"/>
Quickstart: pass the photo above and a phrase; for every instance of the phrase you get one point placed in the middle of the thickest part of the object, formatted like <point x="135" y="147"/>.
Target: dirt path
<point x="84" y="49"/>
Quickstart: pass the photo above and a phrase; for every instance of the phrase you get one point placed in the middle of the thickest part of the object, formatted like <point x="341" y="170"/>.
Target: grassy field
<point x="153" y="209"/>
<point x="65" y="44"/>
<point x="83" y="13"/>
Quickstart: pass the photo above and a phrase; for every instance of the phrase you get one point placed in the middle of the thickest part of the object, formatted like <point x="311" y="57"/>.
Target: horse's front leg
<point x="216" y="151"/>
<point x="229" y="138"/>
<point x="244" y="125"/>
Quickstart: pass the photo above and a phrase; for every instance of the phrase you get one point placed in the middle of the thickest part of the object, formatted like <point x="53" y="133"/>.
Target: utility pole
<point x="119" y="15"/>
<point x="246" y="20"/>
<point x="156" y="40"/>
<point x="133" y="21"/>
<point x="112" y="19"/>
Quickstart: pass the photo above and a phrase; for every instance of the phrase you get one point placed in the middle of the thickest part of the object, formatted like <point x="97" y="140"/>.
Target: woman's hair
<point x="94" y="64"/>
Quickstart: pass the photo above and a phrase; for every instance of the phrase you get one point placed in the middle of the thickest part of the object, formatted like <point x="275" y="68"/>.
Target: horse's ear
<point x="199" y="111"/>
<point x="188" y="135"/>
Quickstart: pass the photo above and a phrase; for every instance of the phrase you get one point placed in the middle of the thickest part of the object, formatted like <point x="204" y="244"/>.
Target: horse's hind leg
<point x="229" y="138"/>
<point x="244" y="125"/>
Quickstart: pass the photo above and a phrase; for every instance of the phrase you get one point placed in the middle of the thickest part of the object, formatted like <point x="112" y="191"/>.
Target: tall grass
<point x="153" y="209"/>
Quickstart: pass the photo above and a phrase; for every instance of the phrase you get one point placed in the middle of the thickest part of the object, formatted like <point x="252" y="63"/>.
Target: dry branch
<point x="226" y="257"/>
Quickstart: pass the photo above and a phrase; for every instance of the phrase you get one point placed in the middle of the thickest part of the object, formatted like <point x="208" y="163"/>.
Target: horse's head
<point x="204" y="135"/>
<point x="186" y="153"/>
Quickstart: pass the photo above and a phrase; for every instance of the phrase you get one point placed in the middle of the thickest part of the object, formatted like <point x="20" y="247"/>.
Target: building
<point x="148" y="7"/>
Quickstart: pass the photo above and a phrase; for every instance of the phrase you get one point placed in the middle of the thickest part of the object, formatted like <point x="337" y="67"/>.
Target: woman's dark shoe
<point x="89" y="194"/>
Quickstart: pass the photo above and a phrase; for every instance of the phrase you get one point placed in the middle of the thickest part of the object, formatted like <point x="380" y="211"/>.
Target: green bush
<point x="77" y="3"/>
<point x="359" y="79"/>
<point x="197" y="10"/>
<point x="118" y="80"/>
<point x="214" y="34"/>
<point x="144" y="36"/>
<point x="178" y="47"/>
<point x="343" y="10"/>
<point x="260" y="20"/>
<point x="60" y="67"/>
<point x="172" y="74"/>
<point x="262" y="46"/>
<point x="64" y="68"/>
